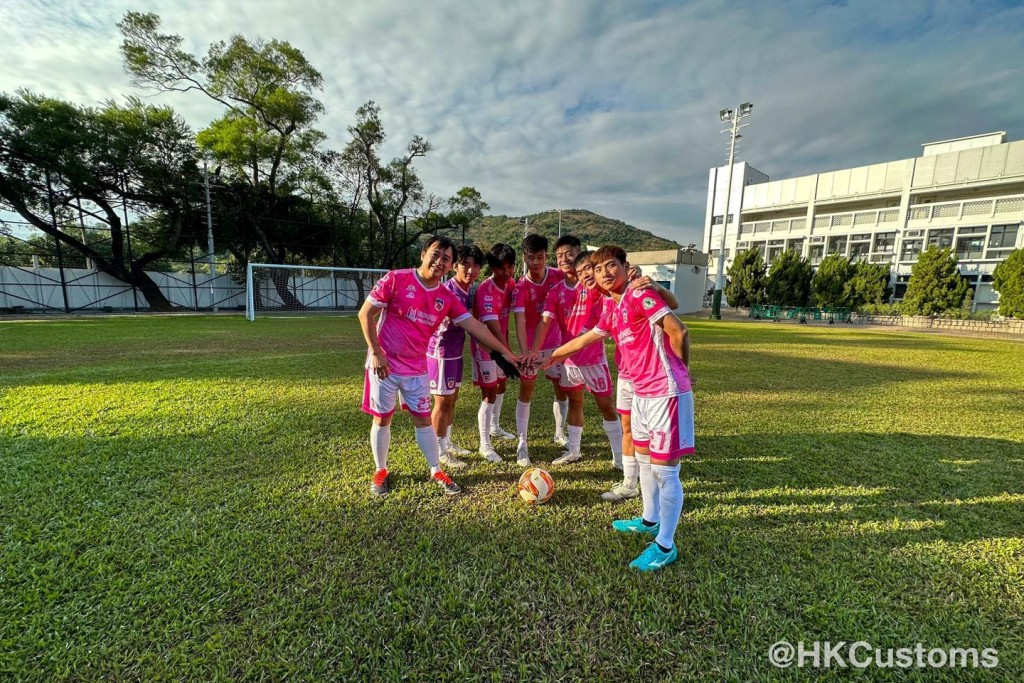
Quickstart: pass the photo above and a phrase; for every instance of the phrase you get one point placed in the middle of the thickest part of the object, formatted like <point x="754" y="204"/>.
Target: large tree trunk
<point x="150" y="290"/>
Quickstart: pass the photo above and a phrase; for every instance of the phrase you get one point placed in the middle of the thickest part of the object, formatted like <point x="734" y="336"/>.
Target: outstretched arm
<point x="570" y="347"/>
<point x="484" y="336"/>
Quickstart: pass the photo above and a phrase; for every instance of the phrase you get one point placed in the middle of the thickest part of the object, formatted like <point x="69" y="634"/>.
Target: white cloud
<point x="590" y="104"/>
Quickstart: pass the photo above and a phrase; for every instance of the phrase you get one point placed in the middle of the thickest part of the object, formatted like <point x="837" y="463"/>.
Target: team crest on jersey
<point x="438" y="304"/>
<point x="649" y="303"/>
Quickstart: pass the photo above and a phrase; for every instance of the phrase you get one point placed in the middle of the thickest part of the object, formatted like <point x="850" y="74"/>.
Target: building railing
<point x="959" y="210"/>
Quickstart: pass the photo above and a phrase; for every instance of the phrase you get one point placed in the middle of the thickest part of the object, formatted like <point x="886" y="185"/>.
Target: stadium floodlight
<point x="732" y="117"/>
<point x="306" y="290"/>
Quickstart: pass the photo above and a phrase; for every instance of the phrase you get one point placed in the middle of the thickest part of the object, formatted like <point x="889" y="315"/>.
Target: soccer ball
<point x="536" y="486"/>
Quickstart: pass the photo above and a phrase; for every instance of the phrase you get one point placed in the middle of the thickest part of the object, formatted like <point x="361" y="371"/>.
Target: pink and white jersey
<point x="576" y="309"/>
<point x="529" y="300"/>
<point x="450" y="340"/>
<point x="655" y="369"/>
<point x="413" y="312"/>
<point x="623" y="371"/>
<point x="492" y="303"/>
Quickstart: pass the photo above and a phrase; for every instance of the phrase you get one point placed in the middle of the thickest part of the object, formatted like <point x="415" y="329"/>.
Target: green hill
<point x="590" y="227"/>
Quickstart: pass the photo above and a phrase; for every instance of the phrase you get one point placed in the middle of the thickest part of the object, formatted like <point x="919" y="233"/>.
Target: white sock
<point x="496" y="413"/>
<point x="442" y="447"/>
<point x="671" y="491"/>
<point x="649" y="489"/>
<point x="483" y="423"/>
<point x="522" y="419"/>
<point x="560" y="410"/>
<point x="427" y="441"/>
<point x="380" y="443"/>
<point x="630" y="471"/>
<point x="575" y="438"/>
<point x="613" y="428"/>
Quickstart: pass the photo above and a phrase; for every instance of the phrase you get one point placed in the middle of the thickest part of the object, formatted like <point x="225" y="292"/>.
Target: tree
<point x="789" y="280"/>
<point x="828" y="286"/>
<point x="59" y="161"/>
<point x="746" y="275"/>
<point x="264" y="141"/>
<point x="936" y="285"/>
<point x="390" y="189"/>
<point x="868" y="284"/>
<point x="1008" y="280"/>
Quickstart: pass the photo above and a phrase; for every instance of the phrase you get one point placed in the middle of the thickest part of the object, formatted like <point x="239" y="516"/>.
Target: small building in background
<point x="681" y="271"/>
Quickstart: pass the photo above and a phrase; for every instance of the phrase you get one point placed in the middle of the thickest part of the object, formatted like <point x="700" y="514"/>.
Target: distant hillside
<point x="590" y="227"/>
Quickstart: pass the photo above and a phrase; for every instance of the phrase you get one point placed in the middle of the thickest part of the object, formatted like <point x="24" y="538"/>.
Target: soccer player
<point x="411" y="304"/>
<point x="531" y="293"/>
<point x="575" y="309"/>
<point x="655" y="348"/>
<point x="444" y="356"/>
<point x="629" y="487"/>
<point x="492" y="305"/>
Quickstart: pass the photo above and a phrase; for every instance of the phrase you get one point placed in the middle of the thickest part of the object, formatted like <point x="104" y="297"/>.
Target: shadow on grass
<point x="196" y="548"/>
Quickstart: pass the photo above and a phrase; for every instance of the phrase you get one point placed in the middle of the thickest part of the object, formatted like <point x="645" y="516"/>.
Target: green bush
<point x="1008" y="280"/>
<point x="746" y="279"/>
<point x="789" y="280"/>
<point x="936" y="285"/>
<point x="828" y="286"/>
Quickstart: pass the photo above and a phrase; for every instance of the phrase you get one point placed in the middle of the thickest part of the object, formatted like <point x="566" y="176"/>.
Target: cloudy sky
<point x="608" y="105"/>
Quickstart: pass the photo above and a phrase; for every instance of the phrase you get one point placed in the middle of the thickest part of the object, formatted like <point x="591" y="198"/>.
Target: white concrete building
<point x="966" y="193"/>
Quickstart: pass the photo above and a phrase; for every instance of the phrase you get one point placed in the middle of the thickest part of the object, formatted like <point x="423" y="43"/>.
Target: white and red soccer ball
<point x="536" y="486"/>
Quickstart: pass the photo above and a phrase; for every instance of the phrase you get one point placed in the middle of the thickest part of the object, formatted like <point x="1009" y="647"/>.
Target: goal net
<point x="272" y="289"/>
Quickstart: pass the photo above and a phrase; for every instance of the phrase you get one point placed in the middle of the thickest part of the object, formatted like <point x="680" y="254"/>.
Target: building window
<point x="1003" y="237"/>
<point x="717" y="220"/>
<point x="911" y="248"/>
<point x="773" y="253"/>
<point x="837" y="245"/>
<point x="859" y="250"/>
<point x="797" y="246"/>
<point x="817" y="252"/>
<point x="971" y="230"/>
<point x="969" y="247"/>
<point x="943" y="239"/>
<point x="885" y="242"/>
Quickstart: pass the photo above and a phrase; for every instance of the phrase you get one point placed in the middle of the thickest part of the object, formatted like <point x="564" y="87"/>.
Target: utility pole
<point x="209" y="238"/>
<point x="733" y="117"/>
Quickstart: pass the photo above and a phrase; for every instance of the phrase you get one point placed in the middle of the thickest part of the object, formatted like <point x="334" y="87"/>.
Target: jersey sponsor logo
<point x="488" y="298"/>
<point x="410" y="295"/>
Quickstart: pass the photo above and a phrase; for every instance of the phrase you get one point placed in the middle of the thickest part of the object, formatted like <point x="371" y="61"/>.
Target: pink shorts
<point x="445" y="375"/>
<point x="624" y="395"/>
<point x="381" y="395"/>
<point x="596" y="378"/>
<point x="487" y="373"/>
<point x="664" y="425"/>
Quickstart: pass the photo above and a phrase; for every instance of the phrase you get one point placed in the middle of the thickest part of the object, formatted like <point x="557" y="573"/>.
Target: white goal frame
<point x="315" y="295"/>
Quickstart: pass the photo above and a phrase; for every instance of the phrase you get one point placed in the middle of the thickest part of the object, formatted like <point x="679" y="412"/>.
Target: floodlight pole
<point x="559" y="224"/>
<point x="209" y="237"/>
<point x="732" y="116"/>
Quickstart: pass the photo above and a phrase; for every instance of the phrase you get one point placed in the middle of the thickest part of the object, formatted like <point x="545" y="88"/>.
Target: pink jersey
<point x="449" y="341"/>
<point x="576" y="309"/>
<point x="492" y="303"/>
<point x="413" y="312"/>
<point x="655" y="369"/>
<point x="529" y="300"/>
<point x="609" y="305"/>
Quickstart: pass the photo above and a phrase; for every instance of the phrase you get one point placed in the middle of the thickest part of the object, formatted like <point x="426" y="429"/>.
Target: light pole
<point x="733" y="117"/>
<point x="209" y="236"/>
<point x="559" y="223"/>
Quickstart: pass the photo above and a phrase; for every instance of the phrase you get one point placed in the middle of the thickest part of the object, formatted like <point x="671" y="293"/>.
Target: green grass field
<point x="187" y="498"/>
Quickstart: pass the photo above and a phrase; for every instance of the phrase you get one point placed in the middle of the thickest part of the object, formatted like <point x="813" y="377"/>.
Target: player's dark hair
<point x="568" y="240"/>
<point x="441" y="241"/>
<point x="466" y="252"/>
<point x="534" y="243"/>
<point x="501" y="254"/>
<point x="581" y="257"/>
<point x="609" y="251"/>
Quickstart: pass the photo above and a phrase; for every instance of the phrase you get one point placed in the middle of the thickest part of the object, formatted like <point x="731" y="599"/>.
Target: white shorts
<point x="596" y="378"/>
<point x="554" y="373"/>
<point x="487" y="373"/>
<point x="381" y="395"/>
<point x="664" y="425"/>
<point x="624" y="395"/>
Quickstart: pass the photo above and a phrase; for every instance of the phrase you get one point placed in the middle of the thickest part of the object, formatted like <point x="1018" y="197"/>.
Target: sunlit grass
<point x="187" y="498"/>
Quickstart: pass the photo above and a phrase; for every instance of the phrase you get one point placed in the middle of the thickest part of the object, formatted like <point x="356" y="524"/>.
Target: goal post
<point x="272" y="289"/>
